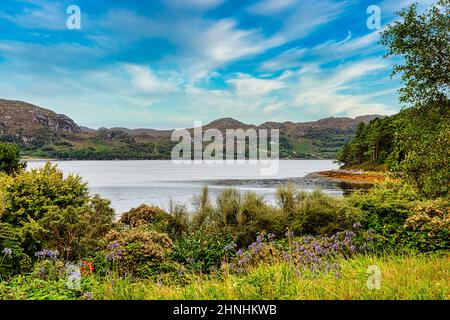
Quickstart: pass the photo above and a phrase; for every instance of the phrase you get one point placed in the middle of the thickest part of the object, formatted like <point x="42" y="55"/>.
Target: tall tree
<point x="422" y="139"/>
<point x="423" y="41"/>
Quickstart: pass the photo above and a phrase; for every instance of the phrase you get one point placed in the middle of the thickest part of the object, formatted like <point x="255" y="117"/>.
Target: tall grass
<point x="203" y="208"/>
<point x="248" y="214"/>
<point x="402" y="277"/>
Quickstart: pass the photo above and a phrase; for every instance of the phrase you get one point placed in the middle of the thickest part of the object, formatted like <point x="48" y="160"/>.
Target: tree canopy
<point x="414" y="144"/>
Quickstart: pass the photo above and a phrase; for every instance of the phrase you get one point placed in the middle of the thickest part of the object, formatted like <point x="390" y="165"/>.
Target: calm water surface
<point x="130" y="183"/>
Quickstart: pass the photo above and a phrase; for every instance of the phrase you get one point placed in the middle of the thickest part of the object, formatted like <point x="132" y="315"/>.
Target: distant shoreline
<point x="353" y="176"/>
<point x="54" y="159"/>
<point x="37" y="159"/>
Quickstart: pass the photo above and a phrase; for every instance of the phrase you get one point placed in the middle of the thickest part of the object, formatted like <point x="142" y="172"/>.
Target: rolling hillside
<point x="43" y="133"/>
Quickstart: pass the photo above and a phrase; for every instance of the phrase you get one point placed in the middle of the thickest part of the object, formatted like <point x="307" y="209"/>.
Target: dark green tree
<point x="10" y="158"/>
<point x="421" y="150"/>
<point x="423" y="41"/>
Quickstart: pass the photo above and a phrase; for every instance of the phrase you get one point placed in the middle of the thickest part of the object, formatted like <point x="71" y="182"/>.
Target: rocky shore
<point x="353" y="176"/>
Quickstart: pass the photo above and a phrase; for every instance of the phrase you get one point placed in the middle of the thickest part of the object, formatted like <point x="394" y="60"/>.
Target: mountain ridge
<point x="43" y="132"/>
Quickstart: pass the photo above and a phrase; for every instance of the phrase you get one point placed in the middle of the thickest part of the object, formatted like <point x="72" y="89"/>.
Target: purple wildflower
<point x="230" y="247"/>
<point x="110" y="257"/>
<point x="46" y="253"/>
<point x="52" y="254"/>
<point x="289" y="234"/>
<point x="259" y="239"/>
<point x="335" y="246"/>
<point x="349" y="234"/>
<point x="7" y="251"/>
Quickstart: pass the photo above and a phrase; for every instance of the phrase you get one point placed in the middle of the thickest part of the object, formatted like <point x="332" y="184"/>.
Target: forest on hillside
<point x="414" y="144"/>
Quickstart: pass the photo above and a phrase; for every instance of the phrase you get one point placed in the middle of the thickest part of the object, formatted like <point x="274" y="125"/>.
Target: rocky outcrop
<point x="26" y="123"/>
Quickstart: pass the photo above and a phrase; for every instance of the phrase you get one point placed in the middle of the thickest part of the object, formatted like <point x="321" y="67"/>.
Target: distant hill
<point x="42" y="132"/>
<point x="25" y="123"/>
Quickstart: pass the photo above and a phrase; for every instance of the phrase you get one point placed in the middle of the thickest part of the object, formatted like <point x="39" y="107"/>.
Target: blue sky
<point x="168" y="63"/>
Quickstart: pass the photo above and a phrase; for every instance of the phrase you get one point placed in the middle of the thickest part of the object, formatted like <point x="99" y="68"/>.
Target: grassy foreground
<point x="402" y="277"/>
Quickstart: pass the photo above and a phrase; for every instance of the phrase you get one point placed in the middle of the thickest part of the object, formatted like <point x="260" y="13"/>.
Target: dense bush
<point x="316" y="213"/>
<point x="201" y="251"/>
<point x="155" y="218"/>
<point x="12" y="258"/>
<point x="145" y="214"/>
<point x="404" y="220"/>
<point x="48" y="210"/>
<point x="136" y="251"/>
<point x="30" y="194"/>
<point x="245" y="216"/>
<point x="428" y="227"/>
<point x="76" y="231"/>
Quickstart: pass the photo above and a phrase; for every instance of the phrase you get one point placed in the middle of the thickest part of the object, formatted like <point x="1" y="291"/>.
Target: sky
<point x="165" y="64"/>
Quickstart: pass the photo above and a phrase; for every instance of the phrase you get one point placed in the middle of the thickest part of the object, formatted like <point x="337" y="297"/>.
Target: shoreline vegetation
<point x="57" y="241"/>
<point x="306" y="246"/>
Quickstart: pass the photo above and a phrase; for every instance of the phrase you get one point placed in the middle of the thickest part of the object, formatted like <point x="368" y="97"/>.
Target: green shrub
<point x="180" y="219"/>
<point x="287" y="198"/>
<point x="402" y="219"/>
<point x="428" y="227"/>
<point x="228" y="206"/>
<point x="319" y="214"/>
<point x="137" y="250"/>
<point x="29" y="195"/>
<point x="12" y="258"/>
<point x="145" y="214"/>
<point x="156" y="219"/>
<point x="246" y="216"/>
<point x="76" y="231"/>
<point x="201" y="251"/>
<point x="48" y="210"/>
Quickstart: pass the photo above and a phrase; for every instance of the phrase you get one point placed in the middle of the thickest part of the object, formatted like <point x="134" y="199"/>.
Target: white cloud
<point x="200" y="45"/>
<point x="324" y="52"/>
<point x="41" y="15"/>
<point x="288" y="59"/>
<point x="223" y="41"/>
<point x="246" y="85"/>
<point x="309" y="15"/>
<point x="350" y="46"/>
<point x="329" y="92"/>
<point x="143" y="78"/>
<point x="269" y="7"/>
<point x="194" y="4"/>
<point x="273" y="107"/>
